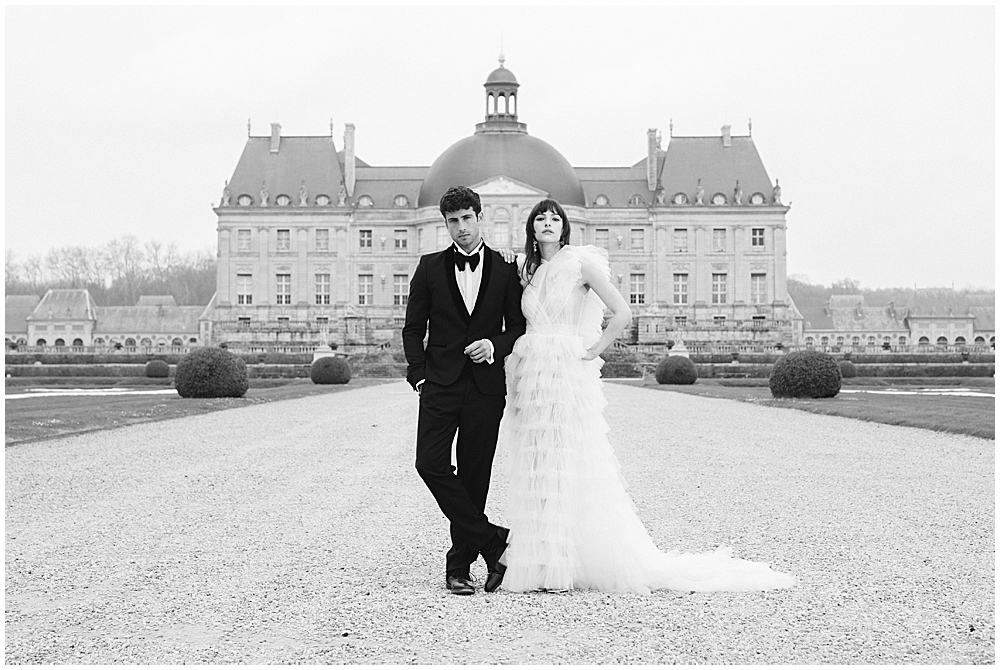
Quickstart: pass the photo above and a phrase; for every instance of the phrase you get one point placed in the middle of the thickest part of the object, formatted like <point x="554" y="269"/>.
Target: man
<point x="470" y="300"/>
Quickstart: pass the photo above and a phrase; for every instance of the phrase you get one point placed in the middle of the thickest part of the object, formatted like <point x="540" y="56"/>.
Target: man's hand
<point x="479" y="351"/>
<point x="509" y="255"/>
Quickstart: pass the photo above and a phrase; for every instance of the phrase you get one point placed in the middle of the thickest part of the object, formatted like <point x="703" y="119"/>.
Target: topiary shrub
<point x="847" y="369"/>
<point x="330" y="370"/>
<point x="805" y="374"/>
<point x="211" y="373"/>
<point x="676" y="370"/>
<point x="156" y="368"/>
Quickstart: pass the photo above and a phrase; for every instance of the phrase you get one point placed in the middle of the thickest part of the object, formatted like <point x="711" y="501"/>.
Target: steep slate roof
<point x="689" y="159"/>
<point x="310" y="159"/>
<point x="383" y="184"/>
<point x="65" y="304"/>
<point x="150" y="319"/>
<point x="16" y="310"/>
<point x="155" y="300"/>
<point x="849" y="312"/>
<point x="617" y="183"/>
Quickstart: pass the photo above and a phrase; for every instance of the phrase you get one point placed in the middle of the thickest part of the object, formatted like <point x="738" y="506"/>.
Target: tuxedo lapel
<point x="485" y="283"/>
<point x="449" y="272"/>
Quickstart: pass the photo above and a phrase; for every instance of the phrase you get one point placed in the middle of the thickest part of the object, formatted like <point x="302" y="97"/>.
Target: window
<point x="282" y="201"/>
<point x="284" y="240"/>
<point x="719" y="319"/>
<point x="809" y="341"/>
<point x="284" y="289"/>
<point x="323" y="289"/>
<point x="365" y="292"/>
<point x="283" y="321"/>
<point x="638" y="240"/>
<point x="443" y="239"/>
<point x="637" y="288"/>
<point x="680" y="240"/>
<point x="400" y="289"/>
<point x="757" y="238"/>
<point x="401" y="201"/>
<point x="601" y="238"/>
<point x="501" y="227"/>
<point x="680" y="321"/>
<point x="244" y="322"/>
<point x="942" y="341"/>
<point x="322" y="200"/>
<point x="636" y="201"/>
<point x="244" y="289"/>
<point x="245" y="200"/>
<point x="719" y="288"/>
<point x="959" y="340"/>
<point x="243" y="240"/>
<point x="824" y="341"/>
<point x="902" y="340"/>
<point x="680" y="288"/>
<point x="855" y="341"/>
<point x="401" y="239"/>
<point x="365" y="239"/>
<point x="840" y="340"/>
<point x="366" y="201"/>
<point x="718" y="240"/>
<point x="601" y="200"/>
<point x="758" y="288"/>
<point x="322" y="239"/>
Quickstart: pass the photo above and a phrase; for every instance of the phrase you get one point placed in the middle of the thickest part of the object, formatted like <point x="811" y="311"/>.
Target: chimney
<point x="349" y="168"/>
<point x="653" y="147"/>
<point x="275" y="137"/>
<point x="727" y="138"/>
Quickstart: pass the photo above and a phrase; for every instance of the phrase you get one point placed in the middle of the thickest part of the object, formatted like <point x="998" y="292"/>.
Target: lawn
<point x="31" y="419"/>
<point x="973" y="416"/>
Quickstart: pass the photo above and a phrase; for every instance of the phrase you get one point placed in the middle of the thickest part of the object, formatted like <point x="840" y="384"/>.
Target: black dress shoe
<point x="460" y="586"/>
<point x="493" y="554"/>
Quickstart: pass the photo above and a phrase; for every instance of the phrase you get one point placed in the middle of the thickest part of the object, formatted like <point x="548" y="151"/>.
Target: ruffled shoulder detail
<point x="570" y="260"/>
<point x="573" y="257"/>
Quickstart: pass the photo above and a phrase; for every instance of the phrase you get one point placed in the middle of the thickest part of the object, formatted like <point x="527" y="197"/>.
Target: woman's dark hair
<point x="532" y="256"/>
<point x="458" y="198"/>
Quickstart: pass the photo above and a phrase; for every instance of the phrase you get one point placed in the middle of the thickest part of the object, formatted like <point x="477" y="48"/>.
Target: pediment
<point x="501" y="185"/>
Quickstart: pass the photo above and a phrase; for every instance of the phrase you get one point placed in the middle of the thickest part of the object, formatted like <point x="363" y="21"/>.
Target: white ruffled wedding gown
<point x="573" y="525"/>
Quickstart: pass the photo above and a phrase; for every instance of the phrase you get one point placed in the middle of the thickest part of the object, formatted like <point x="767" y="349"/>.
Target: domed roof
<point x="516" y="155"/>
<point x="501" y="75"/>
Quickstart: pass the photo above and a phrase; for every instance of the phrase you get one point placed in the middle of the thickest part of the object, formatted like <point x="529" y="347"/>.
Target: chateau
<point x="316" y="245"/>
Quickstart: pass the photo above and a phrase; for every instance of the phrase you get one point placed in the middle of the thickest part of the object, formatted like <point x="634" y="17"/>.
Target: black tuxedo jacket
<point x="435" y="303"/>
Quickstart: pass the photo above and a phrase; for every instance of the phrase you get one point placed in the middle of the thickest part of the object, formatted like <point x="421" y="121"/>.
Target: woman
<point x="572" y="523"/>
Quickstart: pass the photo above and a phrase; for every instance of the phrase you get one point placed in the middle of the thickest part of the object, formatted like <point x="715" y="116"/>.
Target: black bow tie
<point x="461" y="259"/>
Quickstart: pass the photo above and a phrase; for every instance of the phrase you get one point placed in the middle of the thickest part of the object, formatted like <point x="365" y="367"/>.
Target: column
<point x="261" y="294"/>
<point x="780" y="265"/>
<point x="303" y="292"/>
<point x="224" y="281"/>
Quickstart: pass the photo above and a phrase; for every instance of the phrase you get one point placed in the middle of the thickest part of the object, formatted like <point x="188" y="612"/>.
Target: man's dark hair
<point x="458" y="198"/>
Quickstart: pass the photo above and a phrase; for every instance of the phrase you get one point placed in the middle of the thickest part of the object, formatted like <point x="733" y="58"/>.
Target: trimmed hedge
<point x="676" y="370"/>
<point x="211" y="373"/>
<point x="157" y="368"/>
<point x="805" y="374"/>
<point x="848" y="369"/>
<point x="330" y="370"/>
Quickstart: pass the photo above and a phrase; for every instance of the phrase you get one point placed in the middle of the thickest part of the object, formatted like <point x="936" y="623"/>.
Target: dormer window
<point x="245" y="200"/>
<point x="366" y="201"/>
<point x="322" y="201"/>
<point x="719" y="199"/>
<point x="282" y="201"/>
<point x="601" y="200"/>
<point x="401" y="201"/>
<point x="757" y="199"/>
<point x="636" y="201"/>
<point x="679" y="199"/>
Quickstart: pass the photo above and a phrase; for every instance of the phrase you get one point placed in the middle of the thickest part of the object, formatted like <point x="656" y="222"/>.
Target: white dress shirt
<point x="469" y="282"/>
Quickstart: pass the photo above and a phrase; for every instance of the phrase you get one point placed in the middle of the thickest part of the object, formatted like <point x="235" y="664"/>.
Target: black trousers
<point x="461" y="495"/>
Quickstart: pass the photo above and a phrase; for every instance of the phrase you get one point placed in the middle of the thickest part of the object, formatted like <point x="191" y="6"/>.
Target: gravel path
<point x="299" y="532"/>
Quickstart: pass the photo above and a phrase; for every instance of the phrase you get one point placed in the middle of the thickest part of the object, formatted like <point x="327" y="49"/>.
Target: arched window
<point x="502" y="104"/>
<point x="129" y="342"/>
<point x="245" y="200"/>
<point x="366" y="201"/>
<point x="21" y="340"/>
<point x="512" y="104"/>
<point x="60" y="342"/>
<point x="193" y="340"/>
<point x="979" y="340"/>
<point x="959" y="340"/>
<point x="77" y="342"/>
<point x="942" y="341"/>
<point x="824" y="340"/>
<point x="98" y="341"/>
<point x="41" y="342"/>
<point x="636" y="201"/>
<point x="501" y="227"/>
<point x="923" y="340"/>
<point x="146" y="342"/>
<point x="902" y="340"/>
<point x="871" y="340"/>
<point x="809" y="341"/>
<point x="855" y="341"/>
<point x="840" y="340"/>
<point x="177" y="342"/>
<point x="282" y="200"/>
<point x="601" y="200"/>
<point x="322" y="200"/>
<point x="491" y="105"/>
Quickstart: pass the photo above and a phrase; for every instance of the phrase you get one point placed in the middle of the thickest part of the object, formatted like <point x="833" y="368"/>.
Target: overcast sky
<point x="878" y="121"/>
